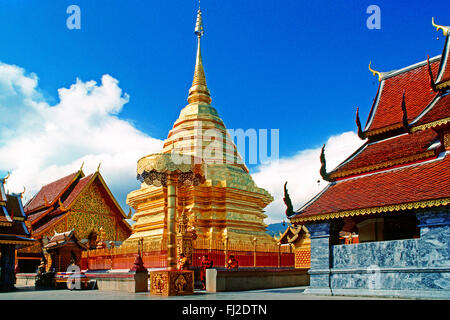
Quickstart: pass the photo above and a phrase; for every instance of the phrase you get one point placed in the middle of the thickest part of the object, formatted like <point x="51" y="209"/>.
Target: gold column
<point x="226" y="250"/>
<point x="171" y="212"/>
<point x="279" y="255"/>
<point x="254" y="252"/>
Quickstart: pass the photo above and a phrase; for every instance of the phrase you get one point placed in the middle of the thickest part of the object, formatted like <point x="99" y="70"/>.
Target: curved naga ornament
<point x="430" y="75"/>
<point x="287" y="200"/>
<point x="361" y="133"/>
<point x="323" y="167"/>
<point x="405" y="114"/>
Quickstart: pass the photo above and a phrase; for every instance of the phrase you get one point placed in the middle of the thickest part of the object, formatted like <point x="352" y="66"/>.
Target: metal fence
<point x="154" y="255"/>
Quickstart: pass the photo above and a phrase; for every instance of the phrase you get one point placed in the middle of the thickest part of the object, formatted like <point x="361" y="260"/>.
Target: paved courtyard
<point x="293" y="293"/>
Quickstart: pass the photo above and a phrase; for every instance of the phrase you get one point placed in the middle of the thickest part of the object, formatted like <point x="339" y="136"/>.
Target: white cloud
<point x="302" y="173"/>
<point x="40" y="142"/>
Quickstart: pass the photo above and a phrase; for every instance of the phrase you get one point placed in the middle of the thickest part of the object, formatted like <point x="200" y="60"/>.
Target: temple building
<point x="62" y="250"/>
<point x="13" y="234"/>
<point x="297" y="237"/>
<point x="228" y="204"/>
<point x="392" y="195"/>
<point x="76" y="205"/>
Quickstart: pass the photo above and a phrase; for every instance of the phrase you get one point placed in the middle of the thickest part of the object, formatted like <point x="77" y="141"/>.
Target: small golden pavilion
<point x="228" y="204"/>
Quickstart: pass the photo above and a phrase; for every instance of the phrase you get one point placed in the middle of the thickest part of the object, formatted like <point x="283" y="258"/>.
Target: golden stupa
<point x="228" y="204"/>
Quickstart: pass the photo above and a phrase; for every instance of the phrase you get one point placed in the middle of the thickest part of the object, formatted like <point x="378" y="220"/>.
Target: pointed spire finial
<point x="81" y="168"/>
<point x="199" y="23"/>
<point x="199" y="92"/>
<point x="98" y="167"/>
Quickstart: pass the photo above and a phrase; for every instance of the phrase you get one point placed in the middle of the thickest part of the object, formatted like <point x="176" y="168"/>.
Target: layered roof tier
<point x="405" y="162"/>
<point x="13" y="230"/>
<point x="54" y="201"/>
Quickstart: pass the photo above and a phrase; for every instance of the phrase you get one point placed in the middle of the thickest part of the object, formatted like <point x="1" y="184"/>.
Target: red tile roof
<point x="388" y="152"/>
<point x="419" y="182"/>
<point x="416" y="84"/>
<point x="51" y="192"/>
<point x="57" y="214"/>
<point x="440" y="110"/>
<point x="77" y="190"/>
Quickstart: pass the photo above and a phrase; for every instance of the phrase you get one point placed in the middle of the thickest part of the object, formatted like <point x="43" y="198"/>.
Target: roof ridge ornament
<point x="3" y="180"/>
<point x="21" y="194"/>
<point x="430" y="74"/>
<point x="287" y="200"/>
<point x="323" y="167"/>
<point x="405" y="114"/>
<point x="361" y="133"/>
<point x="46" y="203"/>
<point x="445" y="29"/>
<point x="61" y="206"/>
<point x="374" y="72"/>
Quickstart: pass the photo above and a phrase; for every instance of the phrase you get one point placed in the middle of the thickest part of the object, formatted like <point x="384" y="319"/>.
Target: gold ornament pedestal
<point x="161" y="169"/>
<point x="171" y="282"/>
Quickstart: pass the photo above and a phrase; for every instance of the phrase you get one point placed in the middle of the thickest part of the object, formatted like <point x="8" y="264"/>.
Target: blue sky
<point x="297" y="66"/>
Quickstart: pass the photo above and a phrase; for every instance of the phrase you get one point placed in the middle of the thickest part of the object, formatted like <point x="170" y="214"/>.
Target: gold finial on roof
<point x="46" y="200"/>
<point x="24" y="189"/>
<point x="61" y="206"/>
<point x="374" y="72"/>
<point x="98" y="167"/>
<point x="199" y="92"/>
<point x="6" y="178"/>
<point x="445" y="29"/>
<point x="81" y="168"/>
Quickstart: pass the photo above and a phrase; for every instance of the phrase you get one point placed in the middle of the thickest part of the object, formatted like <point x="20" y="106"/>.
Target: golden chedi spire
<point x="199" y="91"/>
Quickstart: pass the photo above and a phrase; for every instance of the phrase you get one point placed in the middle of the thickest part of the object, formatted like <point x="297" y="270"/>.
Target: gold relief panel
<point x="84" y="223"/>
<point x="91" y="200"/>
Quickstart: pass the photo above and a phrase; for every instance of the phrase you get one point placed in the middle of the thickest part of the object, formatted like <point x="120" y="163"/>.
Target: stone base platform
<point x="171" y="282"/>
<point x="120" y="281"/>
<point x="254" y="279"/>
<point x="25" y="279"/>
<point x="401" y="294"/>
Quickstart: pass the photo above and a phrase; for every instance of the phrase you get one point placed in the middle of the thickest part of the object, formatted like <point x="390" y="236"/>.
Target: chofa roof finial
<point x="61" y="206"/>
<point x="445" y="29"/>
<point x="6" y="178"/>
<point x="287" y="200"/>
<point x="323" y="167"/>
<point x="430" y="75"/>
<point x="374" y="72"/>
<point x="21" y="194"/>
<point x="405" y="114"/>
<point x="361" y="133"/>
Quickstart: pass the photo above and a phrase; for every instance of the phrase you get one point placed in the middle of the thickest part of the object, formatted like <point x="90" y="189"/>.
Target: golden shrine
<point x="297" y="237"/>
<point x="228" y="204"/>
